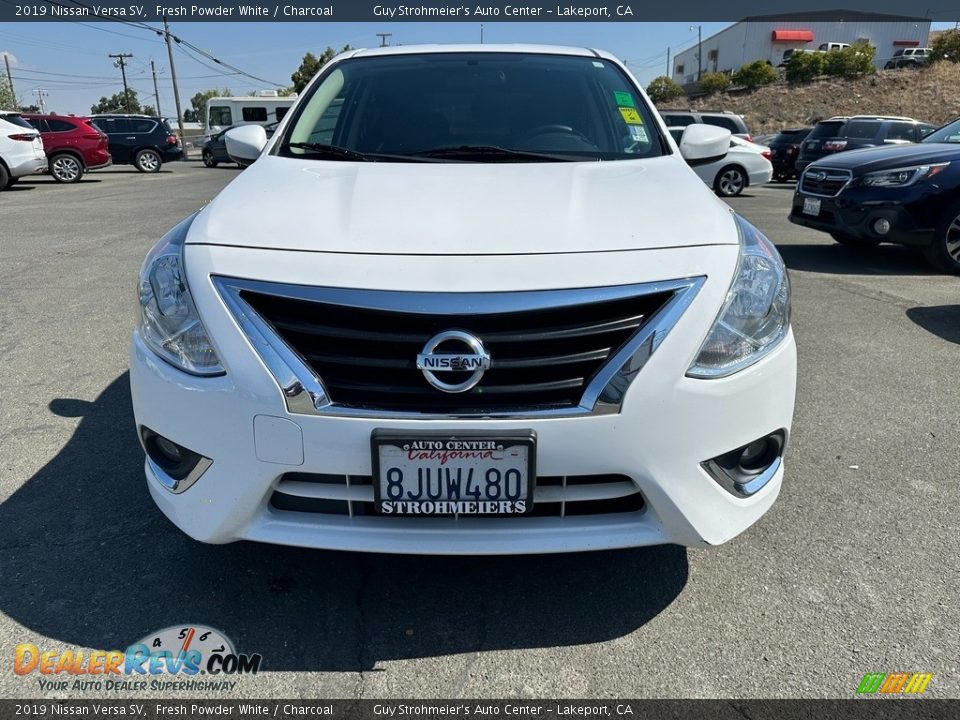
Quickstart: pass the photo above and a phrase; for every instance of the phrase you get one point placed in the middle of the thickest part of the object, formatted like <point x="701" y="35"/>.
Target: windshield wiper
<point x="334" y="152"/>
<point x="484" y="152"/>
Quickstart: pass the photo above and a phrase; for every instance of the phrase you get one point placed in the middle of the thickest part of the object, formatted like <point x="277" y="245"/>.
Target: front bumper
<point x="854" y="211"/>
<point x="667" y="426"/>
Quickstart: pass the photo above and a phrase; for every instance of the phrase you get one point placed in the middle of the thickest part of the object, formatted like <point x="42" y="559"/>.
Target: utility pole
<point x="173" y="76"/>
<point x="41" y="94"/>
<point x="6" y="61"/>
<point x="156" y="92"/>
<point x="121" y="63"/>
<point x="384" y="39"/>
<point x="699" y="51"/>
<point x="481" y="33"/>
<point x="669" y="73"/>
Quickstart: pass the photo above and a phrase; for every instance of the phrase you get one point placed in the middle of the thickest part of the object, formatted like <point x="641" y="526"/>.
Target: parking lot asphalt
<point x="855" y="569"/>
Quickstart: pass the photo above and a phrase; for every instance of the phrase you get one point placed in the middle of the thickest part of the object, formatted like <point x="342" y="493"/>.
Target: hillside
<point x="929" y="94"/>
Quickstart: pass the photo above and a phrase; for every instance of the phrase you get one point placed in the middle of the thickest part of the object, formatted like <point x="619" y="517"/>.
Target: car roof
<point x="56" y="116"/>
<point x="882" y="117"/>
<point x="475" y="48"/>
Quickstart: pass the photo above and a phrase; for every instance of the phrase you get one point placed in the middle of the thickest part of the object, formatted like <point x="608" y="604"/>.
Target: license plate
<point x="453" y="475"/>
<point x="811" y="206"/>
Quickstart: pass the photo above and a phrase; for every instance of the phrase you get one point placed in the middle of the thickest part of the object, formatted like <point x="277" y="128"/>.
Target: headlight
<point x="756" y="313"/>
<point x="902" y="177"/>
<point x="169" y="322"/>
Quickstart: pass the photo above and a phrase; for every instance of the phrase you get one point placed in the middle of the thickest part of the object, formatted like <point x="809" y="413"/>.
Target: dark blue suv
<point x="139" y="140"/>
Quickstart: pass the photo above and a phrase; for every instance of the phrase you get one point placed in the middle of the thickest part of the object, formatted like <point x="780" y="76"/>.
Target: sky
<point x="68" y="61"/>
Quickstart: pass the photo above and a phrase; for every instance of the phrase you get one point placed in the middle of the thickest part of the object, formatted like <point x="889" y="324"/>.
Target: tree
<point x="30" y="108"/>
<point x="190" y="115"/>
<point x="755" y="74"/>
<point x="714" y="82"/>
<point x="311" y="65"/>
<point x="149" y="110"/>
<point x="663" y="89"/>
<point x="199" y="102"/>
<point x="7" y="100"/>
<point x="946" y="46"/>
<point x="805" y="66"/>
<point x="117" y="104"/>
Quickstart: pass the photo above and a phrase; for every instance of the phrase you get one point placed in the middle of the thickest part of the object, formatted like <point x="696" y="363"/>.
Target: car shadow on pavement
<point x="87" y="560"/>
<point x="941" y="320"/>
<point x="839" y="259"/>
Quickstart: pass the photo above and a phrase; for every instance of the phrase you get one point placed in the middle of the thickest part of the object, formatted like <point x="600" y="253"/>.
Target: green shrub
<point x="805" y="66"/>
<point x="755" y="74"/>
<point x="714" y="82"/>
<point x="946" y="46"/>
<point x="663" y="89"/>
<point x="850" y="62"/>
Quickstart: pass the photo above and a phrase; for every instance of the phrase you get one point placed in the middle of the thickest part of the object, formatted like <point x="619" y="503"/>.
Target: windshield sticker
<point x="638" y="133"/>
<point x="597" y="64"/>
<point x="630" y="116"/>
<point x="624" y="99"/>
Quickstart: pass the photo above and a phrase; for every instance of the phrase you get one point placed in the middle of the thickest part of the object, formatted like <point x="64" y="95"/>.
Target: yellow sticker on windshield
<point x="631" y="116"/>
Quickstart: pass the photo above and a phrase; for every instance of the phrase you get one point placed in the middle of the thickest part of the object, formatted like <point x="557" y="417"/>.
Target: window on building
<point x="221" y="115"/>
<point x="679" y="69"/>
<point x="281" y="111"/>
<point x="254" y="114"/>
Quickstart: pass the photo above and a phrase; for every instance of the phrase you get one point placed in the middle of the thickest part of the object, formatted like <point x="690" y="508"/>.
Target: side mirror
<point x="702" y="144"/>
<point x="245" y="143"/>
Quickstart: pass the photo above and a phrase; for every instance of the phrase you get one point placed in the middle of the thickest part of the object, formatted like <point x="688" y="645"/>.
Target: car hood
<point x="465" y="208"/>
<point x="889" y="157"/>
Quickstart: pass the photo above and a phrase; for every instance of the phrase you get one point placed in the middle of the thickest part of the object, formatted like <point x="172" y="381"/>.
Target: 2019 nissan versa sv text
<point x="467" y="300"/>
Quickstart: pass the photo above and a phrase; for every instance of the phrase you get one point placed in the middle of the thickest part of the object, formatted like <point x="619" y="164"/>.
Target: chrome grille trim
<point x="304" y="392"/>
<point x="833" y="176"/>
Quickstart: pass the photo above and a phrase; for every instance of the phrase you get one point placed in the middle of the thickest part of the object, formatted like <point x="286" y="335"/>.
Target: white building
<point x="766" y="37"/>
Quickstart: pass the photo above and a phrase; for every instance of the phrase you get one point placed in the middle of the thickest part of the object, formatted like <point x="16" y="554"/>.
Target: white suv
<point x="467" y="300"/>
<point x="21" y="149"/>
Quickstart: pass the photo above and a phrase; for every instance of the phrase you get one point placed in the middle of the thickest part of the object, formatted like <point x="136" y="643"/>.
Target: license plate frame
<point x="472" y="439"/>
<point x="811" y="206"/>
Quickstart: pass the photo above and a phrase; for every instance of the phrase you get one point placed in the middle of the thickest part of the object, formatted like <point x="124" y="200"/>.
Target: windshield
<point x="17" y="120"/>
<point x="475" y="107"/>
<point x="947" y="134"/>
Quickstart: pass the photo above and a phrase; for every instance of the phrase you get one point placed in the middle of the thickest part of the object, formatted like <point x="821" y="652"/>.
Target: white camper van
<point x="224" y="112"/>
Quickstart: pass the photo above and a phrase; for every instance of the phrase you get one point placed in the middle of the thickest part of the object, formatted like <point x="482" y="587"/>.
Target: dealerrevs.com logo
<point x="894" y="683"/>
<point x="170" y="659"/>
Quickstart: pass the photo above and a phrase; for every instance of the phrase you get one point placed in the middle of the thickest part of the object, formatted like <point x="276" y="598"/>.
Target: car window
<point x="18" y="121"/>
<point x="898" y="53"/>
<point x="947" y="134"/>
<point x="724" y="122"/>
<point x="566" y="106"/>
<point x="861" y="129"/>
<point x="677" y="133"/>
<point x="142" y="125"/>
<point x="902" y="131"/>
<point x="673" y="120"/>
<point x="828" y="128"/>
<point x="37" y="124"/>
<point x="254" y="114"/>
<point x="59" y="125"/>
<point x="221" y="115"/>
<point x="113" y="126"/>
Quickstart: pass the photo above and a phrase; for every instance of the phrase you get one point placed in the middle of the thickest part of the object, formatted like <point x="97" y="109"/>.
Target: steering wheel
<point x="552" y="130"/>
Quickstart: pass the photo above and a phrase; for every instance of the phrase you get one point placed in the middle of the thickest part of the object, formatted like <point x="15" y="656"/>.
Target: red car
<point x="73" y="145"/>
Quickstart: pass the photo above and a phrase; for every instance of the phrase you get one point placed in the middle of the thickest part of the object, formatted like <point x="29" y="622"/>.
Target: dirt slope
<point x="931" y="94"/>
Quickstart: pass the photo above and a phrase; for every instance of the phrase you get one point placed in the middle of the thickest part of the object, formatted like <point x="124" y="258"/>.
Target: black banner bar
<point x="186" y="709"/>
<point x="456" y="11"/>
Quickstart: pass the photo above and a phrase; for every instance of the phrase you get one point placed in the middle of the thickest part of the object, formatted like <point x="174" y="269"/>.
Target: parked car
<point x="418" y="333"/>
<point x="909" y="58"/>
<point x="139" y="140"/>
<point x="73" y="145"/>
<point x="725" y="119"/>
<point x="906" y="194"/>
<point x="21" y="149"/>
<point x="784" y="150"/>
<point x="745" y="164"/>
<point x="215" y="148"/>
<point x="840" y="134"/>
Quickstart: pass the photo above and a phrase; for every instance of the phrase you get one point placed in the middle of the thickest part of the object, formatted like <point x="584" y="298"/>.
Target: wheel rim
<point x="66" y="168"/>
<point x="207" y="159"/>
<point x="149" y="161"/>
<point x="731" y="182"/>
<point x="953" y="239"/>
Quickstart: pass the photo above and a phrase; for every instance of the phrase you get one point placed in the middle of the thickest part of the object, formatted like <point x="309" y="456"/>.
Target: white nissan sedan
<point x="467" y="299"/>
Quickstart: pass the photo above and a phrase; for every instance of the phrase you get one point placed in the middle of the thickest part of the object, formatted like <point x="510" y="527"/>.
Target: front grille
<point x="541" y="358"/>
<point x="830" y="185"/>
<point x="573" y="495"/>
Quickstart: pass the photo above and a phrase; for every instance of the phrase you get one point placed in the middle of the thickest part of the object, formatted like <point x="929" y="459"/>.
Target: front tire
<point x="148" y="161"/>
<point x="730" y="181"/>
<point x="944" y="252"/>
<point x="209" y="160"/>
<point x="854" y="242"/>
<point x="5" y="181"/>
<point x="65" y="168"/>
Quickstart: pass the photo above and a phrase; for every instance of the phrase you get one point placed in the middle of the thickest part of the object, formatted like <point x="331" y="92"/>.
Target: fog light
<point x="175" y="466"/>
<point x="881" y="226"/>
<point x="746" y="470"/>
